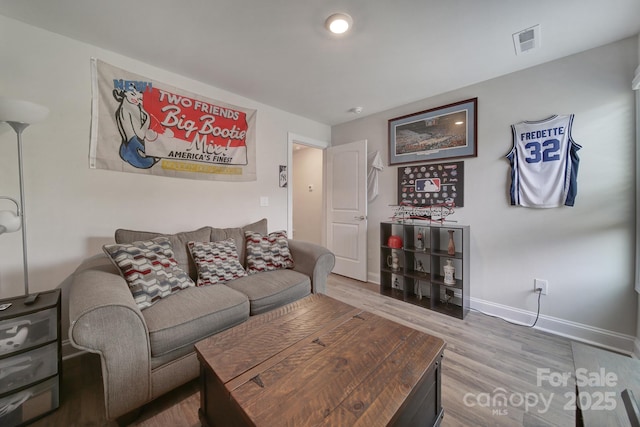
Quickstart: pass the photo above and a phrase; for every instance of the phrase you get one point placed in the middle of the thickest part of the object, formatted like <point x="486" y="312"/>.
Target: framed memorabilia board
<point x="431" y="184"/>
<point x="445" y="132"/>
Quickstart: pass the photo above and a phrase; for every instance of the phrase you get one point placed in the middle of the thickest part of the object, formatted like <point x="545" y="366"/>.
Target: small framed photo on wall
<point x="282" y="176"/>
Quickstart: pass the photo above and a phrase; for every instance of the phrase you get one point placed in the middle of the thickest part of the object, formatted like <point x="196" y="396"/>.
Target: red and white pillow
<point x="216" y="262"/>
<point x="267" y="253"/>
<point x="150" y="269"/>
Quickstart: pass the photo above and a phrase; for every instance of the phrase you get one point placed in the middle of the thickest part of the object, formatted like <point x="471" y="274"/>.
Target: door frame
<point x="293" y="138"/>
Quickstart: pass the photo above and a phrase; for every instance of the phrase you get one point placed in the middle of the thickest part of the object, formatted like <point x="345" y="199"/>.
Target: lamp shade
<point x="9" y="222"/>
<point x="15" y="110"/>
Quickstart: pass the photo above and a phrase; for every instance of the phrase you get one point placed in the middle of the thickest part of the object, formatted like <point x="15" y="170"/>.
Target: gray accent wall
<point x="586" y="252"/>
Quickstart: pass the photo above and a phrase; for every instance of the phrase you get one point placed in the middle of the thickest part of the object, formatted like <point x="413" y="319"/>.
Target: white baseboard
<point x="373" y="278"/>
<point x="615" y="341"/>
<point x="576" y="331"/>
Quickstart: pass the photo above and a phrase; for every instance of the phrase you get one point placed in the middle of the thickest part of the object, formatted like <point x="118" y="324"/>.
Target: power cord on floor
<point x="539" y="291"/>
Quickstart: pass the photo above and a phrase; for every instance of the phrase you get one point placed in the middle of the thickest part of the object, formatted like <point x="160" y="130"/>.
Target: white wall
<point x="308" y="215"/>
<point x="72" y="210"/>
<point x="585" y="252"/>
<point x="637" y="90"/>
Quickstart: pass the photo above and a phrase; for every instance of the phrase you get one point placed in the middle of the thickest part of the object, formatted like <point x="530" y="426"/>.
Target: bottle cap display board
<point x="431" y="184"/>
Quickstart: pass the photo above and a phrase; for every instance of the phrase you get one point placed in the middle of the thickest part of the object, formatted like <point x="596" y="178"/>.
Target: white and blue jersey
<point x="544" y="163"/>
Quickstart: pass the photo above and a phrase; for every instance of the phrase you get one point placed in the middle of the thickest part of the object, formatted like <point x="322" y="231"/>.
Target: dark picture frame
<point x="445" y="132"/>
<point x="431" y="184"/>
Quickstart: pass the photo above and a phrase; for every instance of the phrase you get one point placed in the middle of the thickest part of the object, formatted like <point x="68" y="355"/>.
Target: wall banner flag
<point x="144" y="126"/>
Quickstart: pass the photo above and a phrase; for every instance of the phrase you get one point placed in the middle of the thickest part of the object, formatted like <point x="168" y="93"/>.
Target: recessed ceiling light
<point x="338" y="23"/>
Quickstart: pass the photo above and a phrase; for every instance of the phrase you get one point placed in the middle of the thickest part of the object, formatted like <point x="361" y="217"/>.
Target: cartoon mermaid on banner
<point x="143" y="126"/>
<point x="133" y="124"/>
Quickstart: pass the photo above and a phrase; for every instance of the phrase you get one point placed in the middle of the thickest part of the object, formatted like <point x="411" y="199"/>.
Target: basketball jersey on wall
<point x="544" y="163"/>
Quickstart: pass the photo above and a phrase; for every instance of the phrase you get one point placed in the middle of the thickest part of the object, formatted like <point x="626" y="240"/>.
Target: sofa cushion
<point x="267" y="252"/>
<point x="237" y="234"/>
<point x="178" y="243"/>
<point x="217" y="262"/>
<point x="149" y="269"/>
<point x="272" y="289"/>
<point x="193" y="314"/>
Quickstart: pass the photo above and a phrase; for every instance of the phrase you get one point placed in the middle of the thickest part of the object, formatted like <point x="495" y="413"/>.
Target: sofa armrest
<point x="313" y="260"/>
<point x="104" y="319"/>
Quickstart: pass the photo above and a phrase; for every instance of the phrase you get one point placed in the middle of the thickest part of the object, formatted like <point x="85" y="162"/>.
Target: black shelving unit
<point x="419" y="280"/>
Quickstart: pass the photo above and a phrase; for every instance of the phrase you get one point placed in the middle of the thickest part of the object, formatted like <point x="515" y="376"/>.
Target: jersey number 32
<point x="548" y="151"/>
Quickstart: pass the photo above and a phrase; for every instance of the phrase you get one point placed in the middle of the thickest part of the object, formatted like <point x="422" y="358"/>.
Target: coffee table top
<point x="317" y="361"/>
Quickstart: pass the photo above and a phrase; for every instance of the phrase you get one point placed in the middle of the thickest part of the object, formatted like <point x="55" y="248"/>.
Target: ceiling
<point x="278" y="52"/>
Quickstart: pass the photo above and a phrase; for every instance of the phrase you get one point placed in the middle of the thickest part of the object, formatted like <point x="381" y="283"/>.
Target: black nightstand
<point x="30" y="358"/>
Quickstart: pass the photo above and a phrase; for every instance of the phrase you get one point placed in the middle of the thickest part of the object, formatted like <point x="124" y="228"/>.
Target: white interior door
<point x="347" y="208"/>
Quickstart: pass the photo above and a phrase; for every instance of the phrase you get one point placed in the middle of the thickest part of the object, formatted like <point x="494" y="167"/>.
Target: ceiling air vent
<point x="527" y="40"/>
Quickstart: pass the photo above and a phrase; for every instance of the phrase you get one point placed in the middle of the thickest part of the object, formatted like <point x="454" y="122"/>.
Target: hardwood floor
<point x="485" y="358"/>
<point x="489" y="378"/>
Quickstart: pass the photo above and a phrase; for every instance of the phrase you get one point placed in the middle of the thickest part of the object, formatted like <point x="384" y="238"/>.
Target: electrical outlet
<point x="541" y="284"/>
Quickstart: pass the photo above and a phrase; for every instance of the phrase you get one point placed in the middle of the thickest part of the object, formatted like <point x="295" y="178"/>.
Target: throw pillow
<point x="217" y="262"/>
<point x="267" y="253"/>
<point x="237" y="234"/>
<point x="149" y="268"/>
<point x="178" y="244"/>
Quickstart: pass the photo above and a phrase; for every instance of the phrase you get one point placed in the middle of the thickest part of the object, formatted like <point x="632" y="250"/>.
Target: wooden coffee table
<point x="319" y="361"/>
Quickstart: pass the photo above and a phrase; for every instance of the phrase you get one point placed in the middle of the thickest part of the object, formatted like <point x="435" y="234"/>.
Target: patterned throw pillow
<point x="267" y="253"/>
<point x="217" y="262"/>
<point x="149" y="268"/>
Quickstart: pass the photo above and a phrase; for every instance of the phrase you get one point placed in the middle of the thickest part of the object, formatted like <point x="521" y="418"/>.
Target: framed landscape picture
<point x="445" y="132"/>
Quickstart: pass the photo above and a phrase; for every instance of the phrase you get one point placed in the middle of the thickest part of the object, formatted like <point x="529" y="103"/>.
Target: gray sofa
<point x="146" y="353"/>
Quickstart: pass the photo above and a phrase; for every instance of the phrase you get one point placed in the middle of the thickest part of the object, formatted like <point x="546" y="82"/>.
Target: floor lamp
<point x="19" y="115"/>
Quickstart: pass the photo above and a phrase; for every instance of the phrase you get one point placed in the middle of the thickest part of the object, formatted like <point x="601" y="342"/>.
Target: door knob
<point x="360" y="218"/>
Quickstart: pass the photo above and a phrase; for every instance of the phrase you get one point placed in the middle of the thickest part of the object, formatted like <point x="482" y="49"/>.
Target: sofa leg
<point x="129" y="418"/>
